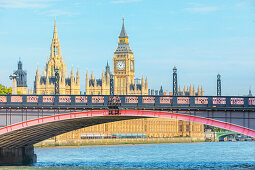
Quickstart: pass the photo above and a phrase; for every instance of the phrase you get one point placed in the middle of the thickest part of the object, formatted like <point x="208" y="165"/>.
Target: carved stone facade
<point x="98" y="86"/>
<point x="45" y="84"/>
<point x="124" y="82"/>
<point x="191" y="91"/>
<point x="152" y="128"/>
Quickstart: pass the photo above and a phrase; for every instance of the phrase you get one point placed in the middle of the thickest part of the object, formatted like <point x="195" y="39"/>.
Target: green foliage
<point x="215" y="129"/>
<point x="5" y="90"/>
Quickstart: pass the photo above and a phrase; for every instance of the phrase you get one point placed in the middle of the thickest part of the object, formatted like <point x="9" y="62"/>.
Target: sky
<point x="200" y="37"/>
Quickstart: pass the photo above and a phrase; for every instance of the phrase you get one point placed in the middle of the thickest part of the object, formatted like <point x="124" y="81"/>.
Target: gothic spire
<point x="123" y="45"/>
<point x="55" y="46"/>
<point x="20" y="64"/>
<point x="123" y="33"/>
<point x="55" y="34"/>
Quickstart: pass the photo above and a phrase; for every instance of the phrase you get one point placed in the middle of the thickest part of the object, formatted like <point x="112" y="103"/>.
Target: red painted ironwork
<point x="32" y="99"/>
<point x="16" y="99"/>
<point x="138" y="113"/>
<point x="201" y="100"/>
<point x="97" y="99"/>
<point x="219" y="100"/>
<point x="166" y="100"/>
<point x="3" y="99"/>
<point x="237" y="101"/>
<point x="150" y="100"/>
<point x="131" y="99"/>
<point x="251" y="101"/>
<point x="64" y="99"/>
<point x="48" y="99"/>
<point x="183" y="100"/>
<point x="80" y="99"/>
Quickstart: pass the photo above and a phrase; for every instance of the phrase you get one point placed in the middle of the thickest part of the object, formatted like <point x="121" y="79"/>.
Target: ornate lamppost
<point x="56" y="81"/>
<point x="14" y="78"/>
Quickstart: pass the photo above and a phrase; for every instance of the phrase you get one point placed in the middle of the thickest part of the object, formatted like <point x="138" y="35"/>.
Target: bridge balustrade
<point x="130" y="100"/>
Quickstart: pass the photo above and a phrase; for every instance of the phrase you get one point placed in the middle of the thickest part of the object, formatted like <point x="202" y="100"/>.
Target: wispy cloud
<point x="202" y="9"/>
<point x="124" y="1"/>
<point x="58" y="12"/>
<point x="245" y="4"/>
<point x="25" y="3"/>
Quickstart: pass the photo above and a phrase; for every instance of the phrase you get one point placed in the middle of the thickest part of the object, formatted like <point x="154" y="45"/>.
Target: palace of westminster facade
<point x="121" y="82"/>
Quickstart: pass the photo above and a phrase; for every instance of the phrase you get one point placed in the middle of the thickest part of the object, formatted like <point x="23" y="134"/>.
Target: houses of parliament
<point x="123" y="76"/>
<point x="121" y="81"/>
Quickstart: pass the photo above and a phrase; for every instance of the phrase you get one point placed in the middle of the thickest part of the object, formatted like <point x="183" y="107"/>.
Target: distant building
<point x="250" y="94"/>
<point x="21" y="79"/>
<point x="151" y="127"/>
<point x="161" y="92"/>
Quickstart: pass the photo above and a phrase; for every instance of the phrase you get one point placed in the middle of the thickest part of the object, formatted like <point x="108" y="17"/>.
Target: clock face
<point x="120" y="65"/>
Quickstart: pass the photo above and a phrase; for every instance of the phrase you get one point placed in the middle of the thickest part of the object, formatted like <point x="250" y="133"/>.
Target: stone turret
<point x="194" y="91"/>
<point x="19" y="78"/>
<point x="98" y="86"/>
<point x="146" y="83"/>
<point x="78" y="77"/>
<point x="191" y="91"/>
<point x="198" y="91"/>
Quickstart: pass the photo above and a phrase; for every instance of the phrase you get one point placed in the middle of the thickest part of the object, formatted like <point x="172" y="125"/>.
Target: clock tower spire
<point x="123" y="63"/>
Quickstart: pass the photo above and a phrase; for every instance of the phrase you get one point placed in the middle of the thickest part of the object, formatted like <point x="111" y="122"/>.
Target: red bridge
<point x="25" y="123"/>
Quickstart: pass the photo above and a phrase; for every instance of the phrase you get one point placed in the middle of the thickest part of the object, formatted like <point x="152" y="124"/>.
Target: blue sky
<point x="201" y="38"/>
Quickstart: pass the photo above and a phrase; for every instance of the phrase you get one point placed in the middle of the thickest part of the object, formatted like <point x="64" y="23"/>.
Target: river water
<point x="214" y="155"/>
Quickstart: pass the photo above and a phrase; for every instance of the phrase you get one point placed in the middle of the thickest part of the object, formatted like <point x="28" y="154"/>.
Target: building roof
<point x="138" y="87"/>
<point x="22" y="76"/>
<point x="123" y="47"/>
<point x="123" y="33"/>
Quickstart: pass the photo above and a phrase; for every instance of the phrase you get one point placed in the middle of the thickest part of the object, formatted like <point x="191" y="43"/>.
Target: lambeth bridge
<point x="29" y="119"/>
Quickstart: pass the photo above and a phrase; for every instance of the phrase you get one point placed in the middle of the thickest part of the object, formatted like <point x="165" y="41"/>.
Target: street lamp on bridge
<point x="56" y="81"/>
<point x="14" y="78"/>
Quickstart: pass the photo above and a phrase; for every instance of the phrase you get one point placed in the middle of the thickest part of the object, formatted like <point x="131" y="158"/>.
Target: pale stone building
<point x="98" y="86"/>
<point x="123" y="77"/>
<point x="151" y="127"/>
<point x="45" y="84"/>
<point x="191" y="91"/>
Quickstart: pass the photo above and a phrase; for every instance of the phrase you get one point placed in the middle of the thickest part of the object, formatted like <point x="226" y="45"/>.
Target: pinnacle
<point x="123" y="33"/>
<point x="55" y="34"/>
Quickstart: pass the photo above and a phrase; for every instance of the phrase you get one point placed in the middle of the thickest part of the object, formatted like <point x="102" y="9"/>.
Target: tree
<point x="215" y="129"/>
<point x="5" y="90"/>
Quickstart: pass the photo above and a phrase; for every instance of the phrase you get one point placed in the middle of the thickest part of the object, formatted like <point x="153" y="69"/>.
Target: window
<point x="55" y="50"/>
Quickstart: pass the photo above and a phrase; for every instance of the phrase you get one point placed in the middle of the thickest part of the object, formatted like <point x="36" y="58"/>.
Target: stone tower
<point x="45" y="84"/>
<point x="21" y="80"/>
<point x="124" y="69"/>
<point x="122" y="81"/>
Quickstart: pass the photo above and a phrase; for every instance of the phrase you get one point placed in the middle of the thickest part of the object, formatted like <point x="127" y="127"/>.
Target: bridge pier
<point x="17" y="156"/>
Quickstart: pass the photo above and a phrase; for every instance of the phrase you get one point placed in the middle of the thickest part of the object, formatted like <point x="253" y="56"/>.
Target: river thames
<point x="208" y="155"/>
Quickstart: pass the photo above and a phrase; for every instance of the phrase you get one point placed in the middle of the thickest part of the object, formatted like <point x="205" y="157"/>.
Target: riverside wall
<point x="88" y="142"/>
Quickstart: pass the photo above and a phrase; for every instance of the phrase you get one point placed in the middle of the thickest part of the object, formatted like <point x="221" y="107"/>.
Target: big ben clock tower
<point x="124" y="65"/>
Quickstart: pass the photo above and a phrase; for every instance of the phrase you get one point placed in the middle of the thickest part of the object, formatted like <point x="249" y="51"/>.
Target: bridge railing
<point x="126" y="101"/>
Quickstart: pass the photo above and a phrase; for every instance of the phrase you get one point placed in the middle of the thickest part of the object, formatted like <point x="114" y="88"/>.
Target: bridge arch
<point x="33" y="131"/>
